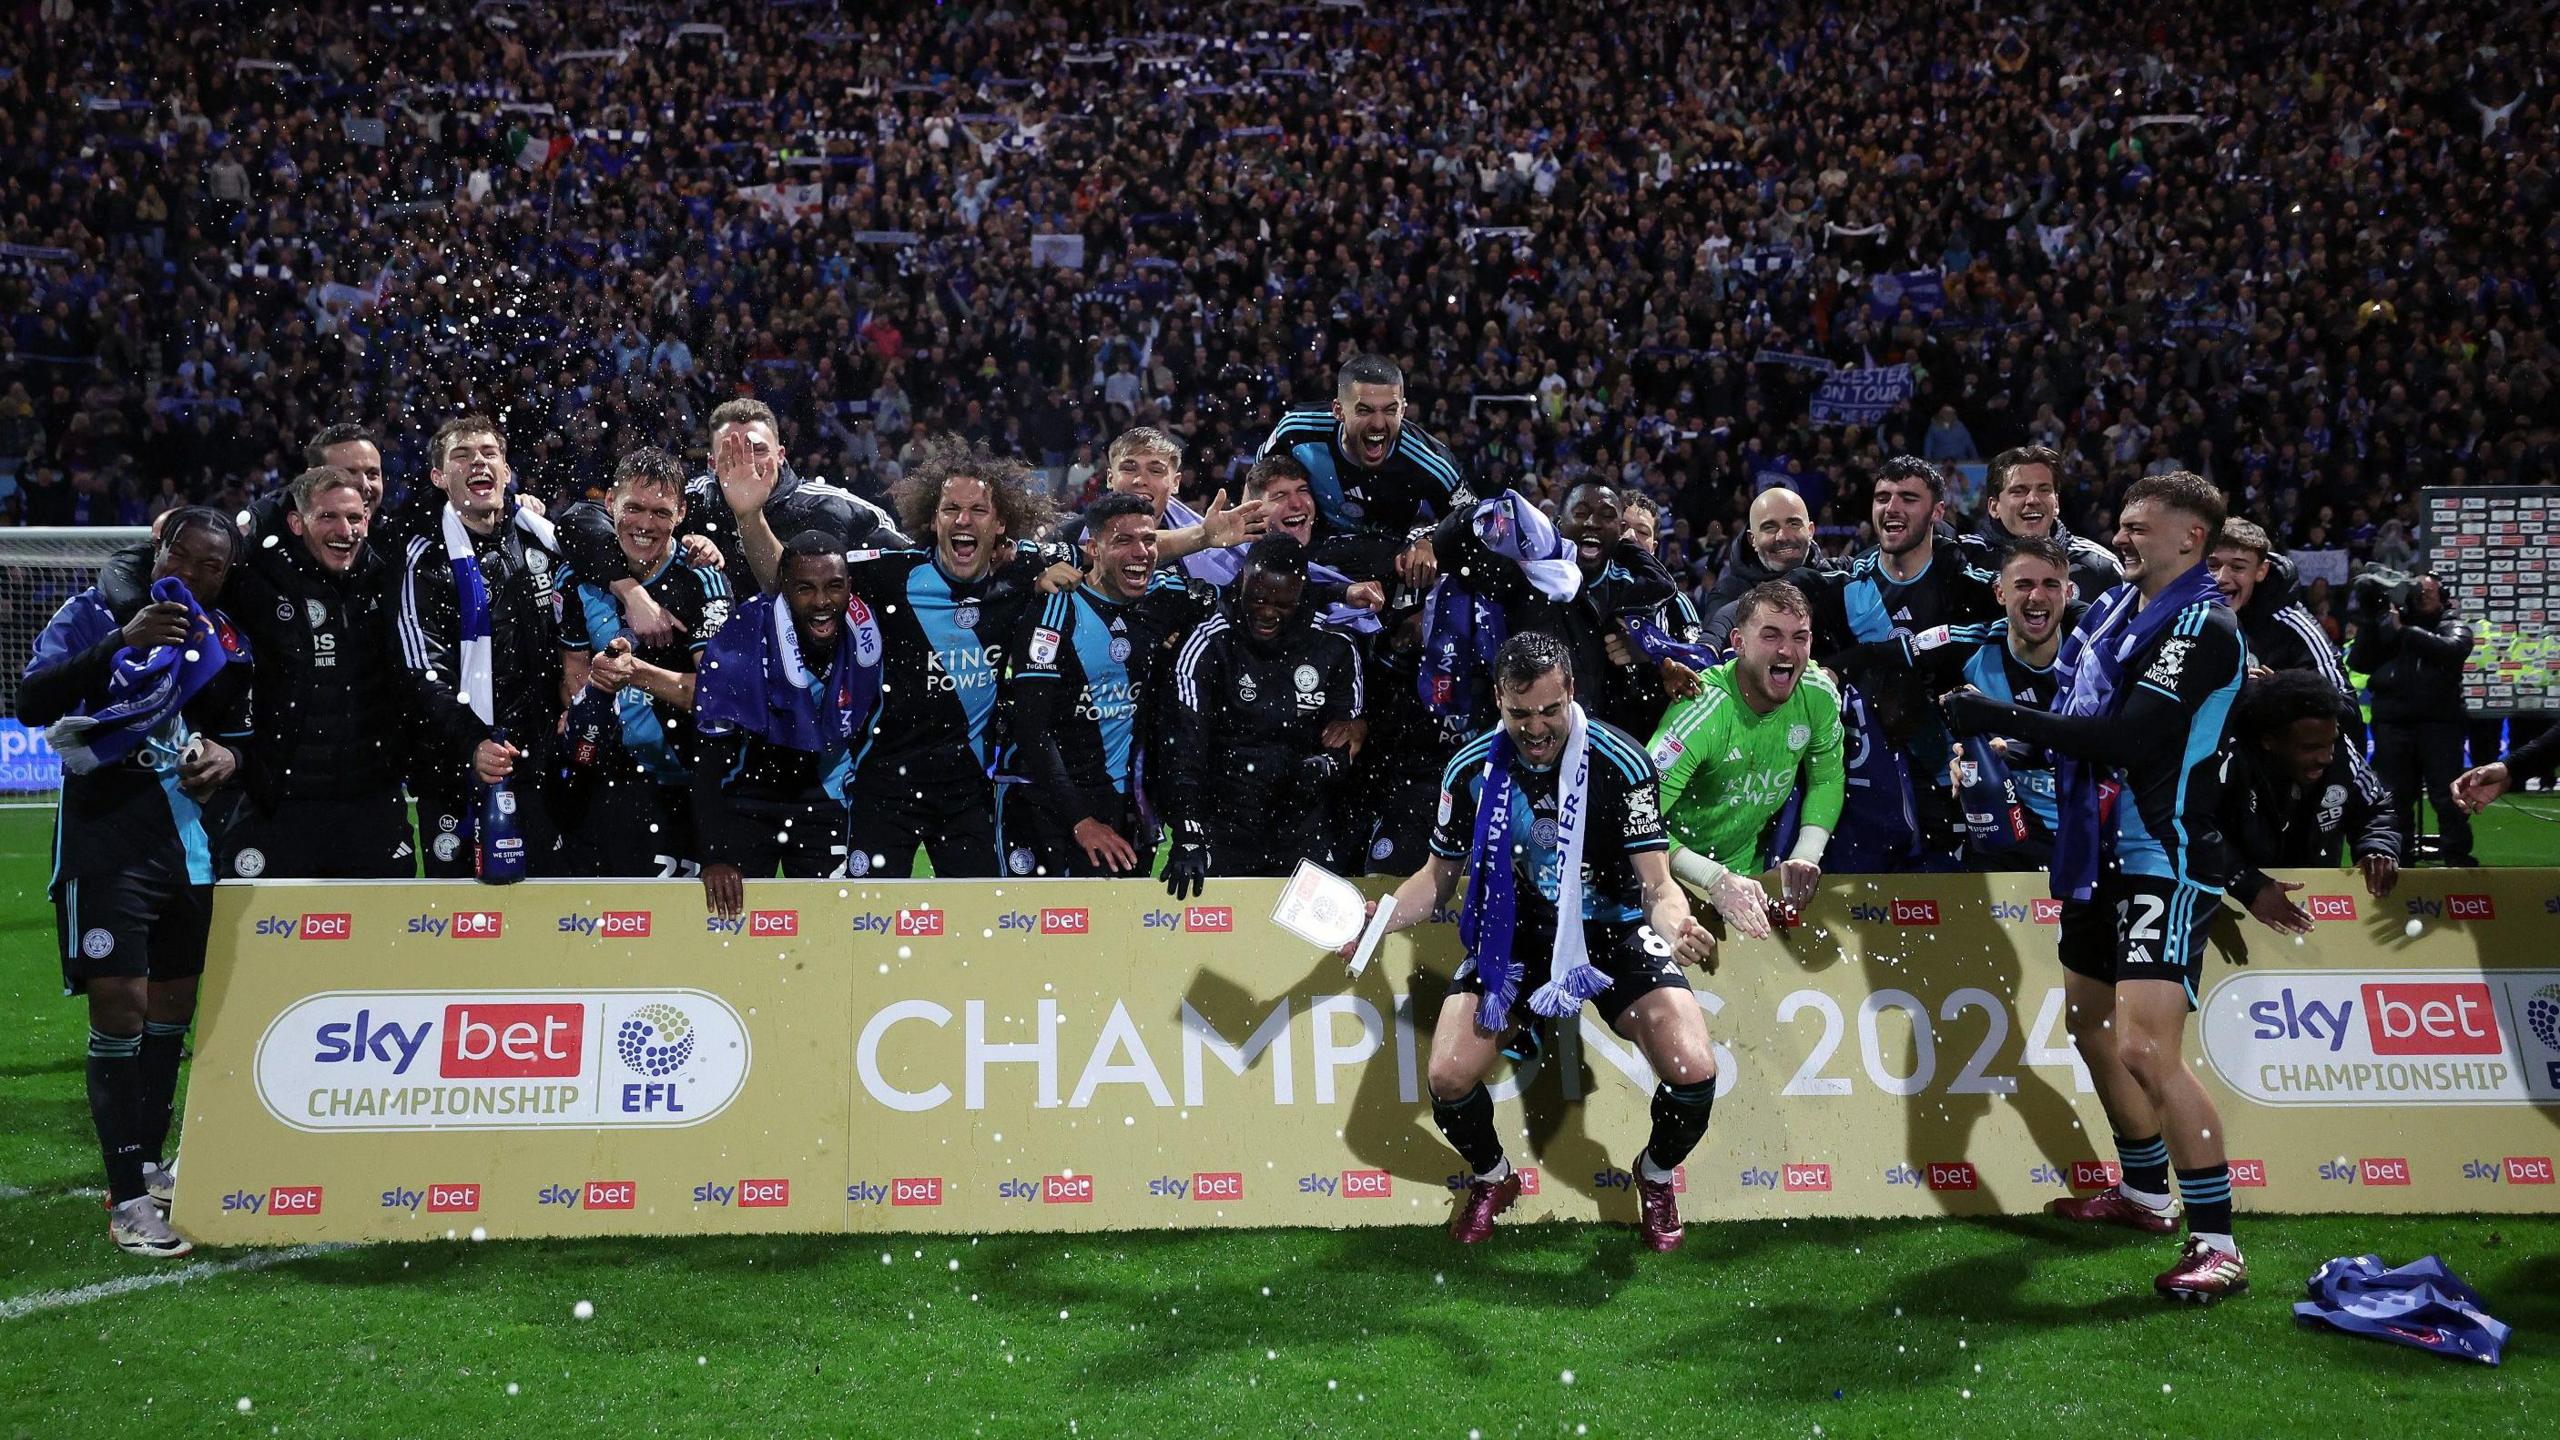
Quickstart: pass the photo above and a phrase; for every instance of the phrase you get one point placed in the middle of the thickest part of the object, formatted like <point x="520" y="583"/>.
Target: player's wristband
<point x="1810" y="842"/>
<point x="1698" y="872"/>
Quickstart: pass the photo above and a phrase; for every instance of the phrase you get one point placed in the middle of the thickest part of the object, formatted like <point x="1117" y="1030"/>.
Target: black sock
<point x="161" y="1045"/>
<point x="1679" y="1121"/>
<point x="115" y="1105"/>
<point x="2145" y="1164"/>
<point x="2208" y="1195"/>
<point x="1468" y="1122"/>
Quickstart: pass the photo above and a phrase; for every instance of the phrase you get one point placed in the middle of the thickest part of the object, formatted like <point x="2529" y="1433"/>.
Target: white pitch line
<point x="43" y="1300"/>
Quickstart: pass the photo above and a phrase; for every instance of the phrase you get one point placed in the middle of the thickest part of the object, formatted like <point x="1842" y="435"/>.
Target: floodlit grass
<point x="1857" y="1327"/>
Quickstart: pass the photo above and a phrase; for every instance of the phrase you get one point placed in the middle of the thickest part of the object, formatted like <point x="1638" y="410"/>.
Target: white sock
<point x="2218" y="1242"/>
<point x="1650" y="1171"/>
<point x="1500" y="1172"/>
<point x="2144" y="1198"/>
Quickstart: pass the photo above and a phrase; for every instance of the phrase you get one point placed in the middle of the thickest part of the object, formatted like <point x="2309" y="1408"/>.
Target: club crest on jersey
<point x="1119" y="649"/>
<point x="1542" y="832"/>
<point x="857" y="864"/>
<point x="1021" y="861"/>
<point x="317" y="611"/>
<point x="966" y="617"/>
<point x="1307" y="679"/>
<point x="1799" y="736"/>
<point x="1044" y="646"/>
<point x="98" y="944"/>
<point x="1383" y="847"/>
<point x="250" y="863"/>
<point x="447" y="846"/>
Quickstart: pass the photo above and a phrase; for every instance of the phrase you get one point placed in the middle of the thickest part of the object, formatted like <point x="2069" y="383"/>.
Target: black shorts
<point x="953" y="821"/>
<point x="1636" y="961"/>
<point x="804" y="842"/>
<point x="364" y="837"/>
<point x="146" y="921"/>
<point x="2139" y="927"/>
<point x="629" y="828"/>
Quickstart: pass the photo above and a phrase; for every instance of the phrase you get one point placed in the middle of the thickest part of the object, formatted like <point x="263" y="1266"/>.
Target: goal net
<point x="40" y="567"/>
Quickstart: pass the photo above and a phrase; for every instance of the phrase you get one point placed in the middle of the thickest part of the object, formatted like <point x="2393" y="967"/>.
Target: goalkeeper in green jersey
<point x="1731" y="755"/>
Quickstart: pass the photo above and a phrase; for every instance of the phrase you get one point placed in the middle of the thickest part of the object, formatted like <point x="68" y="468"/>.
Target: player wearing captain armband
<point x="1551" y="819"/>
<point x="1763" y="723"/>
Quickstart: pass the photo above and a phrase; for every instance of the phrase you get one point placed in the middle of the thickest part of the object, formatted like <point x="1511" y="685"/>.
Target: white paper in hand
<point x="1319" y="907"/>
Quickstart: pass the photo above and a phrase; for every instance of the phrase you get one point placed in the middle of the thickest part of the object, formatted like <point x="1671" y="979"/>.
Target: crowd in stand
<point x="2303" y="252"/>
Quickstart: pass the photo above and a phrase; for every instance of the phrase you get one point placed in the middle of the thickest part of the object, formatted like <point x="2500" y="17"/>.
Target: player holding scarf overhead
<point x="2148" y="680"/>
<point x="1551" y="819"/>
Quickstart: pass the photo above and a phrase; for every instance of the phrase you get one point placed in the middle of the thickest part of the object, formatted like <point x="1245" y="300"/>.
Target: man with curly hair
<point x="920" y="776"/>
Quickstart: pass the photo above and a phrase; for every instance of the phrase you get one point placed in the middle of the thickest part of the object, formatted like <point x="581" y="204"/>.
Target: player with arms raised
<point x="1551" y="818"/>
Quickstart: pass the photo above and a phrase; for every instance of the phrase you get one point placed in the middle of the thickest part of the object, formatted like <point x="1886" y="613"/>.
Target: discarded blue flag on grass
<point x="2422" y="1305"/>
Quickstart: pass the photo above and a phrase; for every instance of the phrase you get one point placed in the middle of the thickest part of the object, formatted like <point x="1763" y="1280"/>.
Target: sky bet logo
<point x="464" y="924"/>
<point x="2515" y="1170"/>
<point x="1050" y="1190"/>
<point x="919" y="925"/>
<point x="2040" y="911"/>
<point x="280" y="1200"/>
<point x="439" y="1199"/>
<point x="1194" y="920"/>
<point x="594" y="1195"/>
<point x="1219" y="1185"/>
<point x="1350" y="1185"/>
<point x="1047" y="922"/>
<point x="2455" y="907"/>
<point x="2331" y="907"/>
<point x="906" y="1190"/>
<point x="611" y="925"/>
<point x="1796" y="1177"/>
<point x="745" y="1195"/>
<point x="2392" y="1170"/>
<point x="2400" y="1019"/>
<point x="1936" y="1175"/>
<point x="757" y="925"/>
<point x="1900" y="912"/>
<point x="309" y="927"/>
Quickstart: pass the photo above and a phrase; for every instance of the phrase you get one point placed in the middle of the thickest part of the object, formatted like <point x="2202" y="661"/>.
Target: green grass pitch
<point x="1836" y="1328"/>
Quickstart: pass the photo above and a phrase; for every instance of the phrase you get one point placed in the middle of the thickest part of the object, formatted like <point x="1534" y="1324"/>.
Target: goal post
<point x="40" y="567"/>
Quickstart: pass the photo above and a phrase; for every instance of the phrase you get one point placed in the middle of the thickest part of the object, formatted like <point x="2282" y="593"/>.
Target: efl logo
<point x="2431" y="1020"/>
<point x="1915" y="912"/>
<point x="327" y="927"/>
<point x="1066" y="922"/>
<point x="2095" y="1174"/>
<point x="919" y="924"/>
<point x="625" y="924"/>
<point x="478" y="924"/>
<point x="452" y="1199"/>
<point x="513" y="1042"/>
<point x="1805" y="1177"/>
<point x="1209" y="920"/>
<point x="1224" y="1185"/>
<point x="2470" y="907"/>
<point x="294" y="1200"/>
<point x="764" y="1194"/>
<point x="2392" y="1171"/>
<point x="2529" y="1170"/>
<point x="773" y="924"/>
<point x="2332" y="907"/>
<point x="1952" y="1175"/>
<point x="2047" y="910"/>
<point x="610" y="1195"/>
<point x="1066" y="1189"/>
<point x="1367" y="1185"/>
<point x="916" y="1190"/>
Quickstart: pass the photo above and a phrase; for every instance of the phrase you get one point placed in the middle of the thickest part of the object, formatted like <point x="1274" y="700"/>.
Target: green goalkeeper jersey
<point x="1727" y="770"/>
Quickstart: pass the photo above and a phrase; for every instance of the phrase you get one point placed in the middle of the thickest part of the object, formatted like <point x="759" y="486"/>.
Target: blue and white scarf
<point x="1462" y="628"/>
<point x="1487" y="923"/>
<point x="2117" y="627"/>
<point x="471" y="601"/>
<point x="2421" y="1305"/>
<point x="146" y="688"/>
<point x="753" y="679"/>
